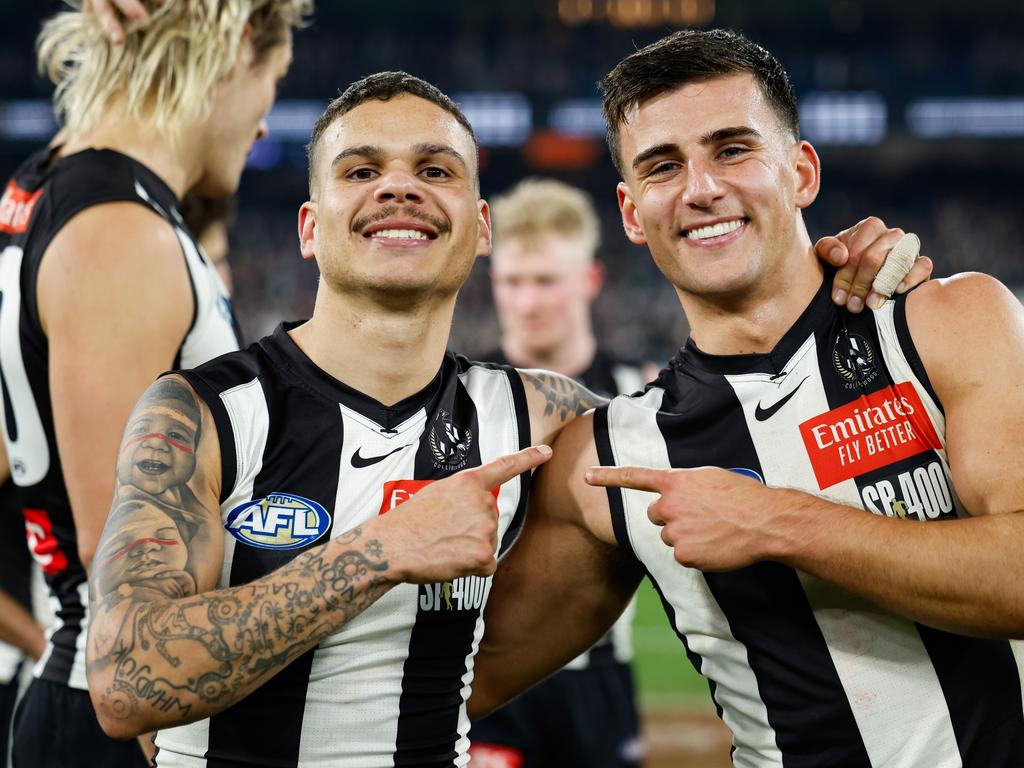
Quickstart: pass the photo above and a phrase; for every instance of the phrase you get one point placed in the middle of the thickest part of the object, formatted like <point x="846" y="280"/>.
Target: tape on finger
<point x="897" y="264"/>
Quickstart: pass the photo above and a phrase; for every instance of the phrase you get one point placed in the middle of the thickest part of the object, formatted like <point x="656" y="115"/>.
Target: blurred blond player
<point x="545" y="278"/>
<point x="106" y="288"/>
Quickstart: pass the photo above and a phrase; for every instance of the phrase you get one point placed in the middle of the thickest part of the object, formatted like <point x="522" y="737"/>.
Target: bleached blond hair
<point x="167" y="68"/>
<point x="535" y="207"/>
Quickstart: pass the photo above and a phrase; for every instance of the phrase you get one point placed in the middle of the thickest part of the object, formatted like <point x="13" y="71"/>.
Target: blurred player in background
<point x="107" y="289"/>
<point x="210" y="221"/>
<point x="545" y="278"/>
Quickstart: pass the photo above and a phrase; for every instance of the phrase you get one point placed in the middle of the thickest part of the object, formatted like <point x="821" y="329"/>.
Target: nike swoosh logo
<point x="368" y="461"/>
<point x="763" y="414"/>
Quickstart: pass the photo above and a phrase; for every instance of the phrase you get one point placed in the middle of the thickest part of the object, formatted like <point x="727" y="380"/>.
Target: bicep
<point x="163" y="536"/>
<point x="114" y="316"/>
<point x="970" y="336"/>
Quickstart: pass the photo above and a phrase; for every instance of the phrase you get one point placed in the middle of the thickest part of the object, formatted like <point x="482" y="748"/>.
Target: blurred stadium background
<point x="916" y="107"/>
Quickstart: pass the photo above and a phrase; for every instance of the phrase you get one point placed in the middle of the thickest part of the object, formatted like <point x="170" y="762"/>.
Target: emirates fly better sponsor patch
<point x="868" y="433"/>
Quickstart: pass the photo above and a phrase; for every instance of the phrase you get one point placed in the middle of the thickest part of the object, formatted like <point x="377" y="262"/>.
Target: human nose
<point x="398" y="185"/>
<point x="262" y="130"/>
<point x="702" y="187"/>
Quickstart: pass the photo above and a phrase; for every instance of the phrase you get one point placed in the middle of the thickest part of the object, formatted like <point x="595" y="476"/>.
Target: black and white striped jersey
<point x="804" y="673"/>
<point x="389" y="688"/>
<point x="43" y="196"/>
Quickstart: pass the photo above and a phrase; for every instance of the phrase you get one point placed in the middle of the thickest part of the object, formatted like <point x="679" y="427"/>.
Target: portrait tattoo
<point x="155" y="627"/>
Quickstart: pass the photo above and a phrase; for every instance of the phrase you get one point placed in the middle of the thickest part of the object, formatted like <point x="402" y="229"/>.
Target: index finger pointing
<point x="637" y="478"/>
<point x="504" y="468"/>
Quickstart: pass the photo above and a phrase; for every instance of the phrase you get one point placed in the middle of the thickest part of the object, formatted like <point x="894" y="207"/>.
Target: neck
<point x="385" y="353"/>
<point x="570" y="358"/>
<point x="755" y="321"/>
<point x="174" y="162"/>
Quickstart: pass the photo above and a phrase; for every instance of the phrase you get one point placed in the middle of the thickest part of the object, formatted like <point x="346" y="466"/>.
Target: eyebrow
<point x="715" y="137"/>
<point x="375" y="153"/>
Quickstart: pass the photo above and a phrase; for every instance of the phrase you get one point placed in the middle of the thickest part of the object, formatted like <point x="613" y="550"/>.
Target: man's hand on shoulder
<point x="859" y="253"/>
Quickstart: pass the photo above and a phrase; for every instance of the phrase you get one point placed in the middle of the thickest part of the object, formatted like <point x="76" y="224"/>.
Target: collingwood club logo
<point x="449" y="443"/>
<point x="854" y="360"/>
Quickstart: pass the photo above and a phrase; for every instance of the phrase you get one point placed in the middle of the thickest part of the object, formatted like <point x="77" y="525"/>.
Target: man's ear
<point x="630" y="219"/>
<point x="307" y="230"/>
<point x="808" y="174"/>
<point x="483" y="243"/>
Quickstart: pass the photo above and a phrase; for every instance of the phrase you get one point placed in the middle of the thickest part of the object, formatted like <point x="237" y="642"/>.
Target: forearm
<point x="19" y="628"/>
<point x="963" y="575"/>
<point x="155" y="663"/>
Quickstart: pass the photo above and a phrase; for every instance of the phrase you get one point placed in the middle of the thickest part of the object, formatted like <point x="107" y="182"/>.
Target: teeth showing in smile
<point x="401" y="234"/>
<point x="715" y="230"/>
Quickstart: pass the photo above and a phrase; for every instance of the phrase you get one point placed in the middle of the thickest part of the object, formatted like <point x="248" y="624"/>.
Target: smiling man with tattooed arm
<point x="214" y="593"/>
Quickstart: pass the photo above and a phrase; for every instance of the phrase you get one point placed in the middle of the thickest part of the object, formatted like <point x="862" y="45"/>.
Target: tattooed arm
<point x="554" y="400"/>
<point x="166" y="648"/>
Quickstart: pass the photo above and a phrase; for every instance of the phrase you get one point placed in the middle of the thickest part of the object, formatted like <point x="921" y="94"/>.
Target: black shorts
<point x="55" y="726"/>
<point x="8" y="697"/>
<point x="583" y="718"/>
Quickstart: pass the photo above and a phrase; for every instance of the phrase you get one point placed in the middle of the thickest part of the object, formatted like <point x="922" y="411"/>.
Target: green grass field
<point x="665" y="677"/>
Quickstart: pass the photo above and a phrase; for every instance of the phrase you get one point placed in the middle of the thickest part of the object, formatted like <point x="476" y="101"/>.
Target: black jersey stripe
<point x="441" y="639"/>
<point x="768" y="611"/>
<point x="989" y="728"/>
<point x="899" y="316"/>
<point x="274" y="712"/>
<point x="615" y="505"/>
<point x="225" y="434"/>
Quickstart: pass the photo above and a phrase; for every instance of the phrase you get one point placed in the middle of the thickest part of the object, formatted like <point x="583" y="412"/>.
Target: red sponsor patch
<point x="400" y="491"/>
<point x="16" y="208"/>
<point x="871" y="432"/>
<point x="42" y="542"/>
<point x="494" y="756"/>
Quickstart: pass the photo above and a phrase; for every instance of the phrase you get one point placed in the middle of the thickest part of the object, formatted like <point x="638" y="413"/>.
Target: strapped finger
<point x="504" y="468"/>
<point x="898" y="264"/>
<point x="637" y="478"/>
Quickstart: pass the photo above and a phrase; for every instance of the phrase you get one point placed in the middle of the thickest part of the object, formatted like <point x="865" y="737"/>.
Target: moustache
<point x="439" y="225"/>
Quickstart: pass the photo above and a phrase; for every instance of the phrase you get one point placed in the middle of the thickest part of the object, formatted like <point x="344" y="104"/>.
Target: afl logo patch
<point x="278" y="521"/>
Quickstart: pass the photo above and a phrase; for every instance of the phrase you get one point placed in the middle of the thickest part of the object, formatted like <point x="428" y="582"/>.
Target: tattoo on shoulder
<point x="564" y="397"/>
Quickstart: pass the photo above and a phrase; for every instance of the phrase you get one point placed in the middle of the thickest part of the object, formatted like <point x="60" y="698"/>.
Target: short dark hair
<point x="692" y="56"/>
<point x="383" y="86"/>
